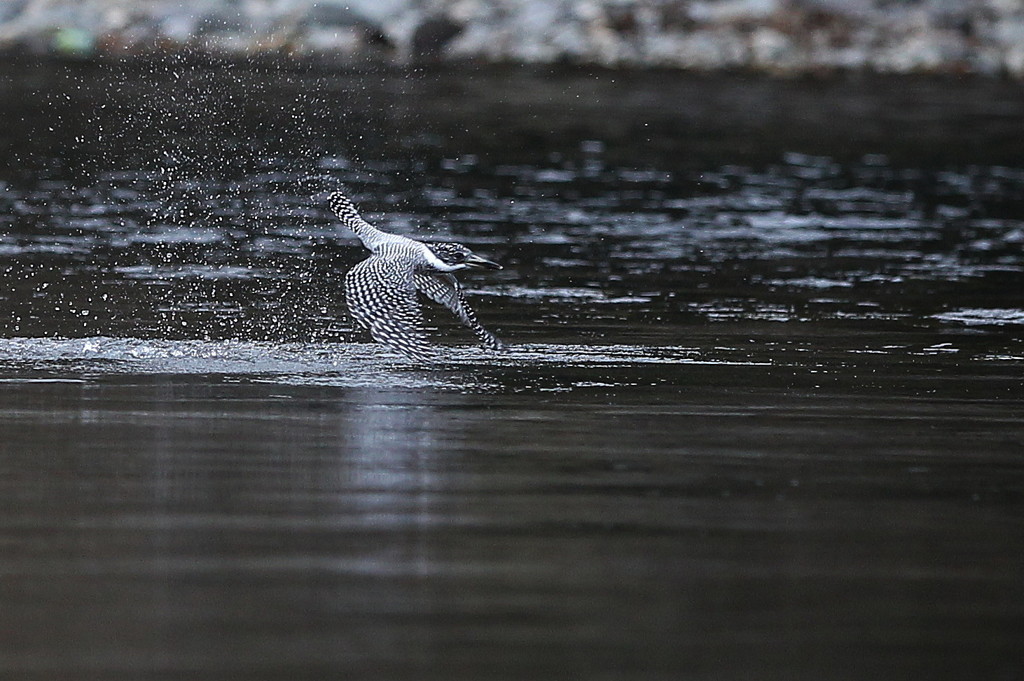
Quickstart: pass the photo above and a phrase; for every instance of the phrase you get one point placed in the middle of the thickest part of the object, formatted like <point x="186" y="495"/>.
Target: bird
<point x="381" y="291"/>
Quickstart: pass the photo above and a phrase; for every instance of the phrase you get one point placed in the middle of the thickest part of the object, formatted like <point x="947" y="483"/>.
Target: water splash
<point x="324" y="364"/>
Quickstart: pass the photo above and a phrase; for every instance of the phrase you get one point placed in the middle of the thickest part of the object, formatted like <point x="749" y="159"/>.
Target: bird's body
<point x="381" y="291"/>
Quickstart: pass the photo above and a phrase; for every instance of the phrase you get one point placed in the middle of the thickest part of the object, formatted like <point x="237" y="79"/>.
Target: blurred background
<point x="775" y="36"/>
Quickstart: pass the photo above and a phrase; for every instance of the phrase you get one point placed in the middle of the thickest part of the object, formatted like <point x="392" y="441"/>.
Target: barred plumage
<point x="381" y="290"/>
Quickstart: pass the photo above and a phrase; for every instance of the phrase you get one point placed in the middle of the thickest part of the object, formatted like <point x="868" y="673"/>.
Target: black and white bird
<point x="381" y="291"/>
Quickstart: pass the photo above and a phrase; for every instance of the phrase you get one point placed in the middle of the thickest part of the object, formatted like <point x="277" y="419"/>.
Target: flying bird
<point x="381" y="291"/>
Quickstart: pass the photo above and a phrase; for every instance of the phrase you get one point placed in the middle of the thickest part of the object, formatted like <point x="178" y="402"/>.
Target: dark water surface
<point x="760" y="417"/>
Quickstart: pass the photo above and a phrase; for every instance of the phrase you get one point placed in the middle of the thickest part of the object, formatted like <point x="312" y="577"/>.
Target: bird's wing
<point x="381" y="296"/>
<point x="444" y="289"/>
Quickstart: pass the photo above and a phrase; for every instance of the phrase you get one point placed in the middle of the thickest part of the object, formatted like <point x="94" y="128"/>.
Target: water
<point x="759" y="416"/>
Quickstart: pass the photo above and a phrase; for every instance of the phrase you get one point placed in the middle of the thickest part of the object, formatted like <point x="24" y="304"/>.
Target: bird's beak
<point x="476" y="261"/>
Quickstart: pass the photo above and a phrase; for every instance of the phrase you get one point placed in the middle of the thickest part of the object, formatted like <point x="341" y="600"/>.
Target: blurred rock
<point x="73" y="42"/>
<point x="432" y="36"/>
<point x="784" y="37"/>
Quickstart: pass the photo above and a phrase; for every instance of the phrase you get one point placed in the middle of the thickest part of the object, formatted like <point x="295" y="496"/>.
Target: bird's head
<point x="457" y="254"/>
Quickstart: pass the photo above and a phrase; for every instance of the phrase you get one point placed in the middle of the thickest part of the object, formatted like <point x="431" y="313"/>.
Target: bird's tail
<point x="349" y="216"/>
<point x="344" y="208"/>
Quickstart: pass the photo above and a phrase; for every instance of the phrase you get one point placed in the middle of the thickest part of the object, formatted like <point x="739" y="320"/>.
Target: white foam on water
<point x="975" y="316"/>
<point x="327" y="364"/>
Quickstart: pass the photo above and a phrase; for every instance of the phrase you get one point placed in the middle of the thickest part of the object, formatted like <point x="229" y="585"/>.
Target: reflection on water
<point x="223" y="529"/>
<point x="759" y="416"/>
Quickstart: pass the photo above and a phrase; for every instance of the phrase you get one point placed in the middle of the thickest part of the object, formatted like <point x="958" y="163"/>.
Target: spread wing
<point x="381" y="296"/>
<point x="444" y="289"/>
